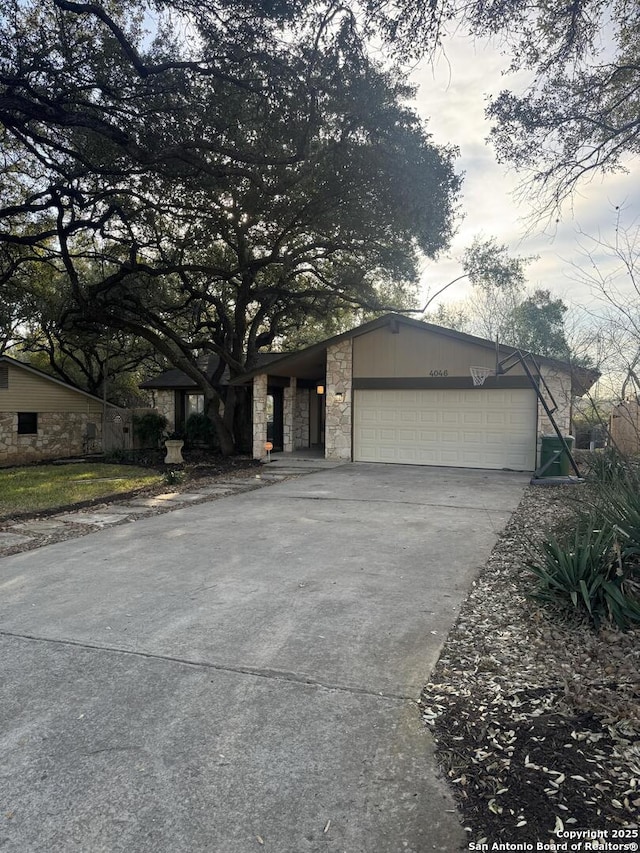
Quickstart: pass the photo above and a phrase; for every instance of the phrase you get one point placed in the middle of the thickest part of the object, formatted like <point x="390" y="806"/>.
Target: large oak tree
<point x="206" y="176"/>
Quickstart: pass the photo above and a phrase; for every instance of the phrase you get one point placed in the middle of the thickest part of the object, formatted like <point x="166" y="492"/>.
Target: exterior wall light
<point x="319" y="389"/>
<point x="339" y="396"/>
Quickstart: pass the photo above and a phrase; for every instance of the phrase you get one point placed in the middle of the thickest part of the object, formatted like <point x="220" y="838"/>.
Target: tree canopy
<point x="499" y="306"/>
<point x="538" y="325"/>
<point x="206" y="177"/>
<point x="580" y="112"/>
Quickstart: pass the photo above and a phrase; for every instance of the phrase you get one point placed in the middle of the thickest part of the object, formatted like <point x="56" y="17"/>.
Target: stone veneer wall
<point x="165" y="403"/>
<point x="560" y="386"/>
<point x="301" y="437"/>
<point x="259" y="415"/>
<point x="288" y="415"/>
<point x="60" y="434"/>
<point x="338" y="415"/>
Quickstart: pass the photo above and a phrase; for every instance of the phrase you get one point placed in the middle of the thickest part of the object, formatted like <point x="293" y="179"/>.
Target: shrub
<point x="608" y="468"/>
<point x="173" y="477"/>
<point x="586" y="573"/>
<point x="149" y="428"/>
<point x="200" y="430"/>
<point x="619" y="506"/>
<point x="595" y="567"/>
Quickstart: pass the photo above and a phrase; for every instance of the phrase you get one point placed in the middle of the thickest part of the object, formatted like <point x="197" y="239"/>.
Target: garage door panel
<point x="478" y="429"/>
<point x="406" y="417"/>
<point x="368" y="434"/>
<point x="451" y="437"/>
<point x="519" y="419"/>
<point x="469" y="418"/>
<point x="389" y="454"/>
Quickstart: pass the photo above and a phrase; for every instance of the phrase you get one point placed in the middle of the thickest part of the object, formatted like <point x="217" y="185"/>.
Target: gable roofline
<point x="588" y="376"/>
<point x="13" y="362"/>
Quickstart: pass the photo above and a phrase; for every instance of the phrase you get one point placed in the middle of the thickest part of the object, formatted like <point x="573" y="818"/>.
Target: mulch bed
<point x="536" y="717"/>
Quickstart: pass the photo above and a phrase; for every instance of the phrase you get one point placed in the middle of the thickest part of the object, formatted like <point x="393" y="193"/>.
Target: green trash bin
<point x="549" y="446"/>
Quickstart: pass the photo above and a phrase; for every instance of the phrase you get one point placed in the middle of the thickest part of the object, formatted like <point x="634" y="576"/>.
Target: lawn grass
<point x="40" y="487"/>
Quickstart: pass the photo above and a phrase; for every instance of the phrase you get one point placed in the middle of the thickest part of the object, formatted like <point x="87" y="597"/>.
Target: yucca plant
<point x="619" y="507"/>
<point x="586" y="574"/>
<point x="607" y="468"/>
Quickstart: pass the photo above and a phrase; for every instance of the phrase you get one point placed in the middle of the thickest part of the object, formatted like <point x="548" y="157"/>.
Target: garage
<point x="471" y="428"/>
<point x="399" y="390"/>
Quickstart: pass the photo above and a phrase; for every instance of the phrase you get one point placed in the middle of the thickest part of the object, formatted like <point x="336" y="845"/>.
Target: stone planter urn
<point x="174" y="451"/>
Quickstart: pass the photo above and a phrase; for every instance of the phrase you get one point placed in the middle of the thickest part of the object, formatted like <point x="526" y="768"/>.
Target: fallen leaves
<point x="536" y="720"/>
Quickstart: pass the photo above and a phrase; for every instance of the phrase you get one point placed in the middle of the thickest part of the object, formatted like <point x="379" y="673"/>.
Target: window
<point x="27" y="423"/>
<point x="4" y="376"/>
<point x="193" y="405"/>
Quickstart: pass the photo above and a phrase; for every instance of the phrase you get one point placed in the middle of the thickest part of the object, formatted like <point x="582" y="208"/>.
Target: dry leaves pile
<point x="536" y="719"/>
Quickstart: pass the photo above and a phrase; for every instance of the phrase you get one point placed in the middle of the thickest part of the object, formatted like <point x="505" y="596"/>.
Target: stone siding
<point x="259" y="415"/>
<point x="338" y="414"/>
<point x="165" y="404"/>
<point x="301" y="435"/>
<point x="288" y="415"/>
<point x="560" y="387"/>
<point x="60" y="434"/>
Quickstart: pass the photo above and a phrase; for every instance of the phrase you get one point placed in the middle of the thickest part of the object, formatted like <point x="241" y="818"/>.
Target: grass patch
<point x="40" y="487"/>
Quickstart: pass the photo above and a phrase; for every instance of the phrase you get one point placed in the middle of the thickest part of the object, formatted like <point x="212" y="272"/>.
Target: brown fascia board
<point x="389" y="319"/>
<point x="15" y="363"/>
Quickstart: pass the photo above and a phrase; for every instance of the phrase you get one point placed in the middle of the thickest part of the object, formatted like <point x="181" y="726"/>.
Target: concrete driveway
<point x="242" y="674"/>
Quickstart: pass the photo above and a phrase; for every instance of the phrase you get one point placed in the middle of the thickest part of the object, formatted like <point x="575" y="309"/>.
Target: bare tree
<point x="611" y="273"/>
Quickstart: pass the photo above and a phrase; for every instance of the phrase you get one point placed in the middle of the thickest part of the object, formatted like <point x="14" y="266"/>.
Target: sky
<point x="451" y="97"/>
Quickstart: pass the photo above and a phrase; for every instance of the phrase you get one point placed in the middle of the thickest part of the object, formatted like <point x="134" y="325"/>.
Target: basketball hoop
<point x="479" y="374"/>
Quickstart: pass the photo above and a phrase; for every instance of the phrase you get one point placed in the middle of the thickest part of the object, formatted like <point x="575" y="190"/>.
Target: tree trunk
<point x="225" y="436"/>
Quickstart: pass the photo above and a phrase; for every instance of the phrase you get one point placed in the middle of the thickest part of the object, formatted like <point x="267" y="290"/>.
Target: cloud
<point x="451" y="97"/>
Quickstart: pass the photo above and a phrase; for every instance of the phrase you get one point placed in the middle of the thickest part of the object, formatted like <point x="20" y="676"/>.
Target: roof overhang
<point x="582" y="379"/>
<point x="310" y="363"/>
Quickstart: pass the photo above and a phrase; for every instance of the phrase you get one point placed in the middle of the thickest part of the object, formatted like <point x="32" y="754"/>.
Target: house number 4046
<point x="438" y="373"/>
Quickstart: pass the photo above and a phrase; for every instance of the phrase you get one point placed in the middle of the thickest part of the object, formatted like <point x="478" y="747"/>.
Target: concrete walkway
<point x="242" y="674"/>
<point x="35" y="532"/>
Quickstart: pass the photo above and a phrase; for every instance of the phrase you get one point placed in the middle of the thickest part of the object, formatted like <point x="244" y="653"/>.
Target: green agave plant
<point x="607" y="468"/>
<point x="586" y="573"/>
<point x="620" y="508"/>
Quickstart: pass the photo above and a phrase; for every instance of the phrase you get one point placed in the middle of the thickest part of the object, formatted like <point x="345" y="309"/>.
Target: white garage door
<point x="465" y="429"/>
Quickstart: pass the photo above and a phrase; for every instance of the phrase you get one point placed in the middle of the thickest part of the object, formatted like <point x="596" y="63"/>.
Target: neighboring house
<point x="624" y="427"/>
<point x="43" y="418"/>
<point x="399" y="390"/>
